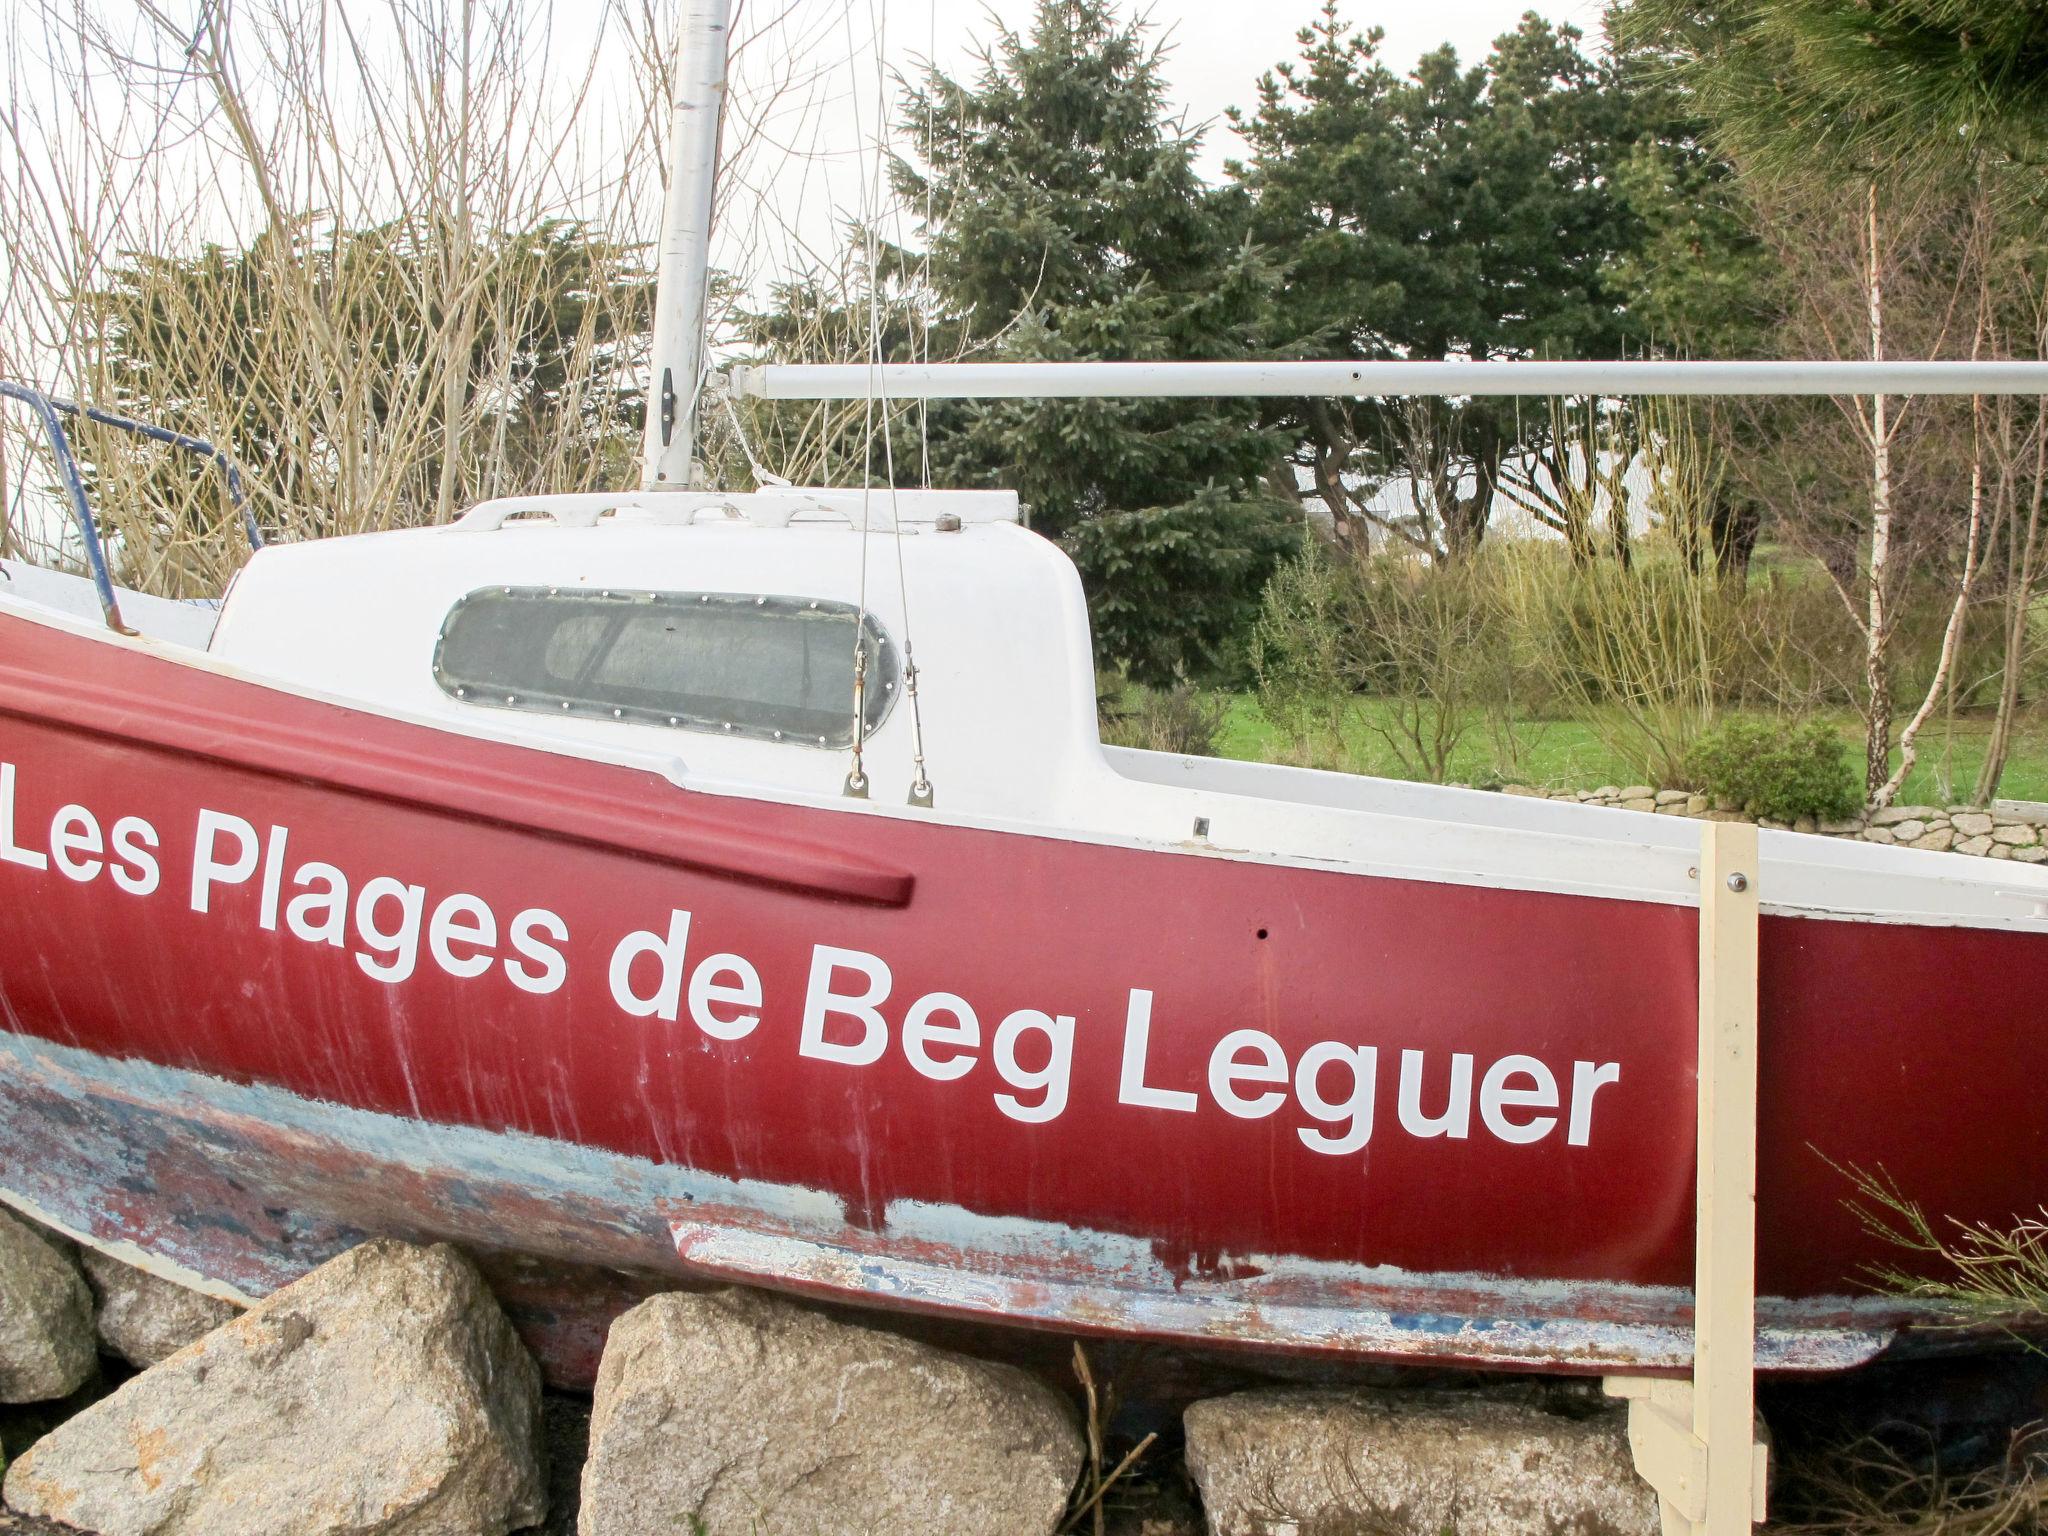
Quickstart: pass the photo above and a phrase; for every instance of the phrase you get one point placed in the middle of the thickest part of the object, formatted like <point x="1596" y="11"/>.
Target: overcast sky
<point x="1220" y="47"/>
<point x="801" y="189"/>
<point x="812" y="83"/>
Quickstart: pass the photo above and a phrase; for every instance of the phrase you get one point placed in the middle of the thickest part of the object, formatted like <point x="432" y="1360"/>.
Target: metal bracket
<point x="1699" y="1442"/>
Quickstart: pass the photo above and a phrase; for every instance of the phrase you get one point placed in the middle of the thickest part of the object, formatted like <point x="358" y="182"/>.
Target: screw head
<point x="1738" y="882"/>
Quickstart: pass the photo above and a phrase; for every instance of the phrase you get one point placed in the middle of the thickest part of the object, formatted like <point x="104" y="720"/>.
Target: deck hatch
<point x="770" y="668"/>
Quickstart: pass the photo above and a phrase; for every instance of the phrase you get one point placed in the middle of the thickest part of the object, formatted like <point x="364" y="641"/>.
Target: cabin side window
<point x="771" y="668"/>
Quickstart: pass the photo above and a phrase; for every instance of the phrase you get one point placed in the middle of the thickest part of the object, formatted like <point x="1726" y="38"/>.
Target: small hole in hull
<point x="1262" y="933"/>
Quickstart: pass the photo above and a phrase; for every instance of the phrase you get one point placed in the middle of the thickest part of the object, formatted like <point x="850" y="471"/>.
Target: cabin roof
<point x="878" y="508"/>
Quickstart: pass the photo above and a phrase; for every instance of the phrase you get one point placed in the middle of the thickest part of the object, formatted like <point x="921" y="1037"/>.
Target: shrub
<point x="1182" y="719"/>
<point x="1337" y="625"/>
<point x="1777" y="770"/>
<point x="1637" y="652"/>
<point x="1301" y="647"/>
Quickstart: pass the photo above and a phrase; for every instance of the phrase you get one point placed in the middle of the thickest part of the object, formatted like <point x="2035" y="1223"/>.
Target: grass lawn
<point x="1568" y="754"/>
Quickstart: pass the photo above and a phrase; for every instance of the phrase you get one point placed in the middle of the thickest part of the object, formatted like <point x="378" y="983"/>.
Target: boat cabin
<point x="716" y="630"/>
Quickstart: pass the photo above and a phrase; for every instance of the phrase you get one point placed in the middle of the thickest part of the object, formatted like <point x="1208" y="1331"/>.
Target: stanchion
<point x="1697" y="1442"/>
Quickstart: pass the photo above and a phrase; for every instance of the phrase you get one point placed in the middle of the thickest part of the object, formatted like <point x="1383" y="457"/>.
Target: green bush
<point x="1302" y="648"/>
<point x="1182" y="719"/>
<point x="1777" y="770"/>
<point x="1337" y="625"/>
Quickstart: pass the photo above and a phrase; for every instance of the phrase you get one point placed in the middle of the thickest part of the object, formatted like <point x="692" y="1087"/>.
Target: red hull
<point x="1915" y="1051"/>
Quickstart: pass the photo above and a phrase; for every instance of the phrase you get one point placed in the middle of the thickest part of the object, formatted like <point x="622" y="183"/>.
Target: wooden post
<point x="1696" y="1442"/>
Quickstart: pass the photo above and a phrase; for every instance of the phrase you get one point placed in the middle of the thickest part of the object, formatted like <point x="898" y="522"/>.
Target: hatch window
<point x="774" y="668"/>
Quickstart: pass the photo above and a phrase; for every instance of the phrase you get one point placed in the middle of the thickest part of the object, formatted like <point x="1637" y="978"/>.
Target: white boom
<point x="670" y="437"/>
<point x="989" y="381"/>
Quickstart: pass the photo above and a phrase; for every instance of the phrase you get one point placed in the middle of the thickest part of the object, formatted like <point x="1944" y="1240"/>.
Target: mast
<point x="670" y="437"/>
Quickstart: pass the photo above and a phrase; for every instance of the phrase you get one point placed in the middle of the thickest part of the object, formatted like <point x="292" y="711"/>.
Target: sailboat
<point x="606" y="884"/>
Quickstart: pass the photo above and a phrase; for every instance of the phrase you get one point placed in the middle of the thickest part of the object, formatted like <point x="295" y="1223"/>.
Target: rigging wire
<point x="763" y="477"/>
<point x="857" y="779"/>
<point x="924" y="276"/>
<point x="857" y="776"/>
<point x="920" y="781"/>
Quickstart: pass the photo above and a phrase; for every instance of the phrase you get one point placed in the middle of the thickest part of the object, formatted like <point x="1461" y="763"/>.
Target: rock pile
<point x="143" y="1319"/>
<point x="2005" y="831"/>
<point x="1415" y="1464"/>
<point x="46" y="1329"/>
<point x="736" y="1411"/>
<point x="384" y="1392"/>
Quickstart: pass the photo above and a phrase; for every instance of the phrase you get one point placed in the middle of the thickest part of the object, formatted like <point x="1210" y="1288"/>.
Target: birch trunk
<point x="1877" y="625"/>
<point x="1952" y="635"/>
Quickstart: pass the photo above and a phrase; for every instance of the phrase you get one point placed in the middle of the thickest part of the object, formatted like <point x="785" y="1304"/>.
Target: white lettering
<point x="553" y="970"/>
<point x="1496" y="1098"/>
<point x="1456" y="1120"/>
<point x="447" y="928"/>
<point x="744" y="992"/>
<point x="1052" y="1077"/>
<point x="207" y="868"/>
<point x="668" y="951"/>
<point x="1587" y="1080"/>
<point x="74" y="830"/>
<point x="1226" y="1072"/>
<point x="821" y="1002"/>
<point x="273" y="876"/>
<point x="1132" y="1087"/>
<point x="326" y="893"/>
<point x="1354" y="1113"/>
<point x="10" y="850"/>
<point x="399" y="948"/>
<point x="1248" y="1071"/>
<point x="920" y="1035"/>
<point x="135" y="870"/>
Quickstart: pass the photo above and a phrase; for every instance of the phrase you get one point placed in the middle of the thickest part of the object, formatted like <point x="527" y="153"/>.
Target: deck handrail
<point x="51" y="409"/>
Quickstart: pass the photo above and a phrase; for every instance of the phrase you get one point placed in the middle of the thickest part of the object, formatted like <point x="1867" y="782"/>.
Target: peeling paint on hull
<point x="240" y="1189"/>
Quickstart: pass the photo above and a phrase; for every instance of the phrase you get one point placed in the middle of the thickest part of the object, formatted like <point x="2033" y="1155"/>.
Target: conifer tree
<point x="1453" y="212"/>
<point x="1068" y="222"/>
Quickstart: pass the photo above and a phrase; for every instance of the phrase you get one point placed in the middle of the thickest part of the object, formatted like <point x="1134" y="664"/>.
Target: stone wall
<point x="2007" y="830"/>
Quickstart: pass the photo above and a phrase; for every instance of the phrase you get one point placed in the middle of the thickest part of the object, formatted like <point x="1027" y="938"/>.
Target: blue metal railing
<point x="51" y="411"/>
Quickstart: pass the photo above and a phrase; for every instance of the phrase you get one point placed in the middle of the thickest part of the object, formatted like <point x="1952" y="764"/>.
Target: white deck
<point x="187" y="624"/>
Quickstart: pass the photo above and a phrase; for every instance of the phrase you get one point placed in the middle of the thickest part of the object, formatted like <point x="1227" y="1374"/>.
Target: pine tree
<point x="1831" y="85"/>
<point x="1069" y="223"/>
<point x="1457" y="212"/>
